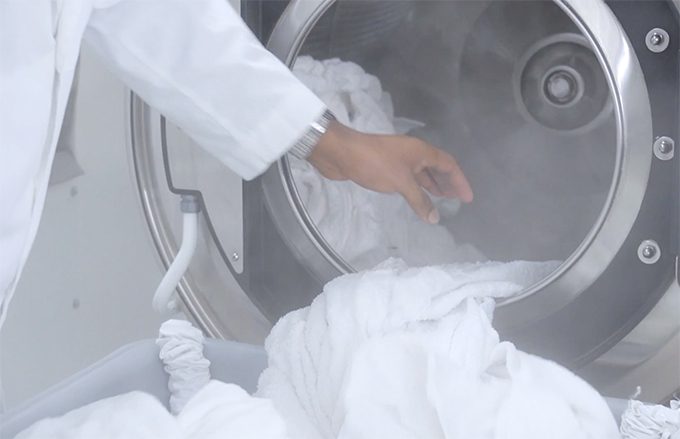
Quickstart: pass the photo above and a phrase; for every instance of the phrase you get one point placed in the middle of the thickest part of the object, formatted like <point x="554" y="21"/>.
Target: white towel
<point x="217" y="411"/>
<point x="643" y="421"/>
<point x="362" y="226"/>
<point x="134" y="415"/>
<point x="226" y="411"/>
<point x="181" y="350"/>
<point x="204" y="408"/>
<point x="411" y="353"/>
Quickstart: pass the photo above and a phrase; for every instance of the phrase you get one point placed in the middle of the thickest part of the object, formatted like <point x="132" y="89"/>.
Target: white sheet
<point x="411" y="353"/>
<point x="365" y="227"/>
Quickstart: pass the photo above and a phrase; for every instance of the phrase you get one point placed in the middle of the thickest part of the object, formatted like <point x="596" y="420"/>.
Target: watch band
<point x="304" y="147"/>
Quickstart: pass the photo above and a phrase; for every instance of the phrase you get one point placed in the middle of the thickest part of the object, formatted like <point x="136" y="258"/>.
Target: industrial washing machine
<point x="564" y="115"/>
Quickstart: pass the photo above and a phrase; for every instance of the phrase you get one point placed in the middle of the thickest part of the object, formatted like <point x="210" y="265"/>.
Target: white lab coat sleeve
<point x="198" y="63"/>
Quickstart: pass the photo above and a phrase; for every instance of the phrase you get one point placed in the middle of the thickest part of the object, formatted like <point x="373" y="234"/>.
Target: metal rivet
<point x="235" y="256"/>
<point x="664" y="148"/>
<point x="657" y="40"/>
<point x="649" y="251"/>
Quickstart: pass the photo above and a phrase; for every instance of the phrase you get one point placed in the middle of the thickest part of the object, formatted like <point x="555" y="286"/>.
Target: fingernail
<point x="433" y="217"/>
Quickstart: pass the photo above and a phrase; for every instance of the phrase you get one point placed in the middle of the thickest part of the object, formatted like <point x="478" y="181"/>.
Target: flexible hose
<point x="163" y="298"/>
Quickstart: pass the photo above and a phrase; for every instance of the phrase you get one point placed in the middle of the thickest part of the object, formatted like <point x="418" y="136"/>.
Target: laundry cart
<point x="133" y="367"/>
<point x="564" y="116"/>
<point x="136" y="367"/>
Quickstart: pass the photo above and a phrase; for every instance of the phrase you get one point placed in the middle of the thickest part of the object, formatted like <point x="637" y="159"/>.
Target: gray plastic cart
<point x="137" y="367"/>
<point x="133" y="367"/>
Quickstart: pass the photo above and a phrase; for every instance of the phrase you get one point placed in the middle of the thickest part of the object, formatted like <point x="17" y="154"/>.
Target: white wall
<point x="88" y="284"/>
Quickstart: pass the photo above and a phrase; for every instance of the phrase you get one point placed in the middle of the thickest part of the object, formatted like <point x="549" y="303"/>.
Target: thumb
<point x="420" y="202"/>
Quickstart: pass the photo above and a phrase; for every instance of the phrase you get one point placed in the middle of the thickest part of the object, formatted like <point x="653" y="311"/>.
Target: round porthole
<point x="532" y="97"/>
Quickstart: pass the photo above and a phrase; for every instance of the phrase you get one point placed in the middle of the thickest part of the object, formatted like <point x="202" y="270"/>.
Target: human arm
<point x="198" y="63"/>
<point x="401" y="164"/>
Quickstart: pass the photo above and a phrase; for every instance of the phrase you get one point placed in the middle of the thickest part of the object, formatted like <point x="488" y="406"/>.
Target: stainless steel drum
<point x="564" y="116"/>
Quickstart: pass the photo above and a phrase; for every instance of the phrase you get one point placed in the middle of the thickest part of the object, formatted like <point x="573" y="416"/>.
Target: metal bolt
<point x="235" y="256"/>
<point x="649" y="251"/>
<point x="657" y="40"/>
<point x="664" y="148"/>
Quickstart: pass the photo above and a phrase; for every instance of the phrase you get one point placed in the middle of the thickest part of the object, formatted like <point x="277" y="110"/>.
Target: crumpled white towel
<point x="362" y="226"/>
<point x="411" y="353"/>
<point x="217" y="411"/>
<point x="134" y="415"/>
<point x="226" y="411"/>
<point x="181" y="350"/>
<point x="205" y="409"/>
<point x="643" y="421"/>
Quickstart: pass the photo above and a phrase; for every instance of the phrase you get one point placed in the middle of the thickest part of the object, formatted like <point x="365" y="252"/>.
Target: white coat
<point x="194" y="60"/>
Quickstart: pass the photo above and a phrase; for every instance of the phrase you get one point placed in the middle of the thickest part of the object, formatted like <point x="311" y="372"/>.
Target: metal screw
<point x="649" y="251"/>
<point x="235" y="256"/>
<point x="657" y="40"/>
<point x="664" y="148"/>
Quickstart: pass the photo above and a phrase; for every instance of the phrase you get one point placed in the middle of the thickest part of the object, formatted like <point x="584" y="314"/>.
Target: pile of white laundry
<point x="200" y="408"/>
<point x="392" y="352"/>
<point x="362" y="226"/>
<point x="411" y="353"/>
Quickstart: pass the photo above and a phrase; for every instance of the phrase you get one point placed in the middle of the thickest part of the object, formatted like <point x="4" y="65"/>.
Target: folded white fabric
<point x="643" y="421"/>
<point x="365" y="227"/>
<point x="410" y="353"/>
<point x="181" y="350"/>
<point x="134" y="415"/>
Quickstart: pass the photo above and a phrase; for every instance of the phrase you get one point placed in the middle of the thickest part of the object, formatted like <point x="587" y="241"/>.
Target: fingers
<point x="428" y="181"/>
<point x="419" y="201"/>
<point x="448" y="175"/>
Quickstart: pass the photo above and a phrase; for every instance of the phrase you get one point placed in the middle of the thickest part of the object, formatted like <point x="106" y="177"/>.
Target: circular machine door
<point x="555" y="110"/>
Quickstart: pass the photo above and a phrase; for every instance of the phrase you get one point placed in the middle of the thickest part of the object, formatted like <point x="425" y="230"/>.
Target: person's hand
<point x="391" y="164"/>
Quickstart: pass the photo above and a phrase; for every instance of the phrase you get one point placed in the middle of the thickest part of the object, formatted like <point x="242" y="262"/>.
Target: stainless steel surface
<point x="648" y="356"/>
<point x="208" y="291"/>
<point x="649" y="251"/>
<point x="631" y="164"/>
<point x="566" y="56"/>
<point x="664" y="148"/>
<point x="657" y="40"/>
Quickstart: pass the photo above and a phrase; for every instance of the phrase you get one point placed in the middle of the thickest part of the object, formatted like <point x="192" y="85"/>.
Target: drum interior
<point x="513" y="90"/>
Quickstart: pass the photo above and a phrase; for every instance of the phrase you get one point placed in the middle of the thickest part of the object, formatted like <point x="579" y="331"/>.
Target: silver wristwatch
<point x="304" y="147"/>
